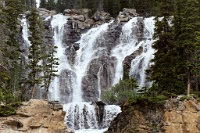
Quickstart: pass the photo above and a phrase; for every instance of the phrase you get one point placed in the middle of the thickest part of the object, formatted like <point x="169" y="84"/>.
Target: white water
<point x="57" y="25"/>
<point x="25" y="35"/>
<point x="142" y="61"/>
<point x="126" y="47"/>
<point x="81" y="115"/>
<point x="128" y="44"/>
<point x="85" y="54"/>
<point x="37" y="3"/>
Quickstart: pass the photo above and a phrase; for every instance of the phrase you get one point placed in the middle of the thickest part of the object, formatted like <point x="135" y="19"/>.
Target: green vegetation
<point x="176" y="64"/>
<point x="122" y="91"/>
<point x="14" y="85"/>
<point x="143" y="7"/>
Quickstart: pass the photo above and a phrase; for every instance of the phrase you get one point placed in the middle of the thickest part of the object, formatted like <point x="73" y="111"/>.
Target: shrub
<point x="121" y="92"/>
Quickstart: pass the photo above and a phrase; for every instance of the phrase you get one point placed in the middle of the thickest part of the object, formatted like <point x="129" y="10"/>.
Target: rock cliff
<point x="36" y="116"/>
<point x="172" y="117"/>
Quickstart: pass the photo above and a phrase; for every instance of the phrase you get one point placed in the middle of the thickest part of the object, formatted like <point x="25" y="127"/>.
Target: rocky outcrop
<point x="100" y="72"/>
<point x="36" y="116"/>
<point x="66" y="77"/>
<point x="128" y="59"/>
<point x="172" y="117"/>
<point x="126" y="15"/>
<point x="44" y="13"/>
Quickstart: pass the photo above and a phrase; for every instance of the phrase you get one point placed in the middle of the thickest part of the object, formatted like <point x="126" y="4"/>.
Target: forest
<point x="175" y="69"/>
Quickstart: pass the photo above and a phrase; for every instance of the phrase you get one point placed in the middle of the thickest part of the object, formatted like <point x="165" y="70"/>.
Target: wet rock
<point x="100" y="72"/>
<point x="66" y="79"/>
<point x="101" y="16"/>
<point x="128" y="59"/>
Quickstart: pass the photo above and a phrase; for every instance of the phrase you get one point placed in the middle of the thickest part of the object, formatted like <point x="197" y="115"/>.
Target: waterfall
<point x="142" y="61"/>
<point x="37" y="3"/>
<point x="96" y="66"/>
<point x="81" y="110"/>
<point x="24" y="24"/>
<point x="57" y="24"/>
<point x="130" y="42"/>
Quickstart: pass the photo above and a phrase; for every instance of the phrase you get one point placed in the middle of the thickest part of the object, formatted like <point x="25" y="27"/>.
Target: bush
<point x="121" y="92"/>
<point x="8" y="103"/>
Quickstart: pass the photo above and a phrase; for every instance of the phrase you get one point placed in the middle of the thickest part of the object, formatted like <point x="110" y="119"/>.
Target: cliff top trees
<point x="42" y="63"/>
<point x="162" y="71"/>
<point x="187" y="31"/>
<point x="176" y="63"/>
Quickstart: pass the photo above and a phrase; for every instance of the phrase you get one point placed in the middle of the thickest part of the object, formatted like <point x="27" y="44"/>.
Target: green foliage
<point x="8" y="103"/>
<point x="50" y="64"/>
<point x="121" y="92"/>
<point x="35" y="50"/>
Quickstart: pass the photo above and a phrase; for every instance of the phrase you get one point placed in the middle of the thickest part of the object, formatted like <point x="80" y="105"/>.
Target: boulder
<point x="35" y="116"/>
<point x="173" y="116"/>
<point x="45" y="13"/>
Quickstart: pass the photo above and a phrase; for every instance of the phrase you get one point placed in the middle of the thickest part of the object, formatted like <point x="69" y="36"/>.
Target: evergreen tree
<point x="163" y="72"/>
<point x="43" y="3"/>
<point x="50" y="64"/>
<point x="187" y="22"/>
<point x="35" y="56"/>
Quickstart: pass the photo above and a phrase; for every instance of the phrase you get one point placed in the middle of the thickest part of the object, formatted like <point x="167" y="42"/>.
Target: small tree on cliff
<point x="50" y="64"/>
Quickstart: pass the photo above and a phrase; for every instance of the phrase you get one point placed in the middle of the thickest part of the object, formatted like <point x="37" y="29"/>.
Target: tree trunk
<point x="196" y="85"/>
<point x="33" y="92"/>
<point x="188" y="85"/>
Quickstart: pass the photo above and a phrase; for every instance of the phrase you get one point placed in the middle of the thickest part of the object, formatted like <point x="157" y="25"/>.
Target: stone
<point x="44" y="13"/>
<point x="13" y="124"/>
<point x="176" y="117"/>
<point x="41" y="118"/>
<point x="69" y="130"/>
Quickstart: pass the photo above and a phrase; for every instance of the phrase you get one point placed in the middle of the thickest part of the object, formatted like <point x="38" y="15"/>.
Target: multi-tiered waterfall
<point x="95" y="65"/>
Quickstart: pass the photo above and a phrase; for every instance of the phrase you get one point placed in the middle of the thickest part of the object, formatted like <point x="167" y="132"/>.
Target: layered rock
<point x="172" y="117"/>
<point x="45" y="13"/>
<point x="126" y="15"/>
<point x="36" y="116"/>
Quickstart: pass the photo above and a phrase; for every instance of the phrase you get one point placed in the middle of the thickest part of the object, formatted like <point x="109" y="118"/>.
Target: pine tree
<point x="162" y="72"/>
<point x="187" y="23"/>
<point x="34" y="78"/>
<point x="50" y="64"/>
<point x="43" y="4"/>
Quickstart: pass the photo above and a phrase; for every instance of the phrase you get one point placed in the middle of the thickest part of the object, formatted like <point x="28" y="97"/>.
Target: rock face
<point x="173" y="117"/>
<point x="35" y="116"/>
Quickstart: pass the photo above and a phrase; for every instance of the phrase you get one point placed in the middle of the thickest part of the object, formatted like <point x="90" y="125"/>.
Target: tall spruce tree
<point x="186" y="23"/>
<point x="162" y="72"/>
<point x="34" y="78"/>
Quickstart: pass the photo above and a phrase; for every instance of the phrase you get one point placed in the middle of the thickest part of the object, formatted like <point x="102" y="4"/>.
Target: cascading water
<point x="82" y="114"/>
<point x="37" y="3"/>
<point x="142" y="61"/>
<point x="79" y="114"/>
<point x="57" y="25"/>
<point x="24" y="24"/>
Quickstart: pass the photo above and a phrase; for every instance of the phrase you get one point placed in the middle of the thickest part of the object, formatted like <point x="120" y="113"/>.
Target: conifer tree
<point x="162" y="72"/>
<point x="34" y="78"/>
<point x="50" y="64"/>
<point x="187" y="22"/>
